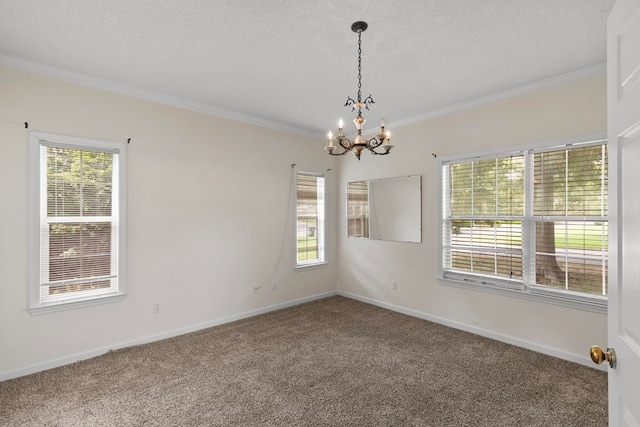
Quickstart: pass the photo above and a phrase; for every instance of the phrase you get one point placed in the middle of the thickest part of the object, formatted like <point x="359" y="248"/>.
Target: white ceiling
<point x="292" y="64"/>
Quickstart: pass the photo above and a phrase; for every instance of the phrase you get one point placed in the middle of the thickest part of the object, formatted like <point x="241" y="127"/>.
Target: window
<point x="531" y="221"/>
<point x="77" y="230"/>
<point x="310" y="219"/>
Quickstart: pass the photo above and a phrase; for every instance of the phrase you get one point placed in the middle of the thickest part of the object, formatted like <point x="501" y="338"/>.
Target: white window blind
<point x="79" y="221"/>
<point x="310" y="219"/>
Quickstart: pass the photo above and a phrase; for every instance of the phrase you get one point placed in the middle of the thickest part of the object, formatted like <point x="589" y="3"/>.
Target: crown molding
<point x="187" y="104"/>
<point x="148" y="95"/>
<point x="520" y="90"/>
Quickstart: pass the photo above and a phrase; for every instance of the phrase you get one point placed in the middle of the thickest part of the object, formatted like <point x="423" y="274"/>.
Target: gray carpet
<point x="334" y="362"/>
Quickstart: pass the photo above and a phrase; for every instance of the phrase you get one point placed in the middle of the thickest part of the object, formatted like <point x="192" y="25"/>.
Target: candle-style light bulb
<point x="388" y="138"/>
<point x="340" y="125"/>
<point x="330" y="142"/>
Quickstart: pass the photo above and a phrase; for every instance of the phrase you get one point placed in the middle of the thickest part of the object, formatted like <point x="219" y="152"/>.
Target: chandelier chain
<point x="359" y="66"/>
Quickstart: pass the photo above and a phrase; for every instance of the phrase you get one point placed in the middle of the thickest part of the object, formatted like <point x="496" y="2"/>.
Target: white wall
<point x="197" y="243"/>
<point x="367" y="268"/>
<point x="207" y="208"/>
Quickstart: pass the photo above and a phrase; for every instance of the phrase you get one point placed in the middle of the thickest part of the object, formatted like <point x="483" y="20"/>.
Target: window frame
<point x="511" y="287"/>
<point x="37" y="184"/>
<point x="320" y="225"/>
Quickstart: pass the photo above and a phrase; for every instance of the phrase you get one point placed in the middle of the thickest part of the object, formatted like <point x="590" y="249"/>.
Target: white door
<point x="623" y="76"/>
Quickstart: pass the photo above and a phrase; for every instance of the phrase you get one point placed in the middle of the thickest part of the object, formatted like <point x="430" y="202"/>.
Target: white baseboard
<point x="31" y="369"/>
<point x="582" y="360"/>
<point x="55" y="363"/>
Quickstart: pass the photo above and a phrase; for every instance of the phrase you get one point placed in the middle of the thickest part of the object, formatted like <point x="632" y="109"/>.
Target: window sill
<point x="62" y="306"/>
<point x="310" y="266"/>
<point x="595" y="305"/>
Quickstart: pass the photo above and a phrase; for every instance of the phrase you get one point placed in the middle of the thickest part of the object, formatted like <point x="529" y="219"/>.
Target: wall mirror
<point x="385" y="209"/>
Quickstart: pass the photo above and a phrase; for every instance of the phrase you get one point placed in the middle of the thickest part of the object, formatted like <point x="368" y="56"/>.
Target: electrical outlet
<point x="394" y="285"/>
<point x="156" y="307"/>
<point x="256" y="288"/>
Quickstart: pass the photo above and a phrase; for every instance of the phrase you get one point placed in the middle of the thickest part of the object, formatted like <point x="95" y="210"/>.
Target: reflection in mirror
<point x="385" y="209"/>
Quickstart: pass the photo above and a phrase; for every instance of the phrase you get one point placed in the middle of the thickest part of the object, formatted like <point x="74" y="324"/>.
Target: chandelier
<point x="379" y="144"/>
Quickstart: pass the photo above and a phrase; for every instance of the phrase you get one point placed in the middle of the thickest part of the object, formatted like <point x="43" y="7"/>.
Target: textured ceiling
<point x="292" y="64"/>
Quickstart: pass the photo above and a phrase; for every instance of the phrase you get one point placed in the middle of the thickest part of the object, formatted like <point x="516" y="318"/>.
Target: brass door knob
<point x="598" y="356"/>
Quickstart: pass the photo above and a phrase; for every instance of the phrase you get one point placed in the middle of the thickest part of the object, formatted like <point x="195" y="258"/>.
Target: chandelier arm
<point x="378" y="153"/>
<point x="345" y="148"/>
<point x="331" y="153"/>
<point x="376" y="142"/>
<point x="346" y="143"/>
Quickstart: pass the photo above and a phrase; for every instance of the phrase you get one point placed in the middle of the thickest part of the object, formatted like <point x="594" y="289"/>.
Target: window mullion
<point x="528" y="224"/>
<point x="495" y="212"/>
